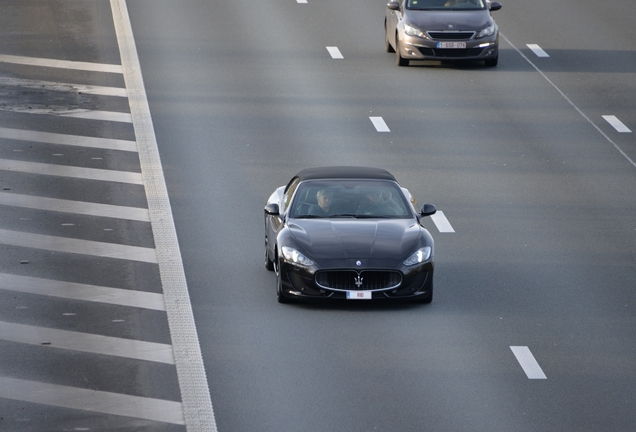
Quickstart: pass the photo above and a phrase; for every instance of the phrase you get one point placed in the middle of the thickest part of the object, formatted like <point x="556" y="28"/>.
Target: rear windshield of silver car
<point x="445" y="4"/>
<point x="349" y="199"/>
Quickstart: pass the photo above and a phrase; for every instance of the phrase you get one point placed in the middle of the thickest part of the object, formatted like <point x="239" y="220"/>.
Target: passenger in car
<point x="374" y="204"/>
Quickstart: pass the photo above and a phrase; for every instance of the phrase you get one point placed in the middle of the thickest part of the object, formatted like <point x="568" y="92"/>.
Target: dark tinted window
<point x="349" y="198"/>
<point x="445" y="4"/>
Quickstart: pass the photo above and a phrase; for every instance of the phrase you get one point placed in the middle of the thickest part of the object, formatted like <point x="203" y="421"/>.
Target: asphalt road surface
<point x="533" y="164"/>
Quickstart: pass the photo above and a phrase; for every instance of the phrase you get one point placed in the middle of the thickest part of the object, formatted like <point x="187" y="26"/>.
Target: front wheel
<point x="387" y="45"/>
<point x="425" y="300"/>
<point x="399" y="60"/>
<point x="279" y="284"/>
<point x="269" y="265"/>
<point x="492" y="62"/>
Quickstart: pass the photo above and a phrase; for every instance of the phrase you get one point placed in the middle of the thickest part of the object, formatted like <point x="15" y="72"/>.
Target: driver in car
<point x="324" y="197"/>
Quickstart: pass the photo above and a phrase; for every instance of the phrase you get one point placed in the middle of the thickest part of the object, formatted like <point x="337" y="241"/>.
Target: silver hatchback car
<point x="448" y="30"/>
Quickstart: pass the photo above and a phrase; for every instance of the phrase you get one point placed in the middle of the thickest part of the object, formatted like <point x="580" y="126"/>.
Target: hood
<point x="440" y="20"/>
<point x="359" y="239"/>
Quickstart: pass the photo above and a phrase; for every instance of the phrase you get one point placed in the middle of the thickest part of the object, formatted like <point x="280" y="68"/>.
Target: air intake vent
<point x="451" y="35"/>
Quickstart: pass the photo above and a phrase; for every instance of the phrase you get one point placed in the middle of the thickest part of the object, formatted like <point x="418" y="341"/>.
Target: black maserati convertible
<point x="348" y="233"/>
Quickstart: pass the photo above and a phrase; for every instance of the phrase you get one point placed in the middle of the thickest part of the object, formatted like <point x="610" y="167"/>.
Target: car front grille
<point x="450" y="53"/>
<point x="351" y="280"/>
<point x="451" y="35"/>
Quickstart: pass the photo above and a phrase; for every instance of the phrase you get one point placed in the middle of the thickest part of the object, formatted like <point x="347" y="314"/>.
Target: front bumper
<point x="414" y="48"/>
<point x="300" y="283"/>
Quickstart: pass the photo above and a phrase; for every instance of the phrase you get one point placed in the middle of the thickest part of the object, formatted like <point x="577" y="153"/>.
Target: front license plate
<point x="451" y="45"/>
<point x="358" y="295"/>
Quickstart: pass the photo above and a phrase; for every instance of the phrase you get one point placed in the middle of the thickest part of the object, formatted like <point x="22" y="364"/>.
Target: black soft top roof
<point x="344" y="172"/>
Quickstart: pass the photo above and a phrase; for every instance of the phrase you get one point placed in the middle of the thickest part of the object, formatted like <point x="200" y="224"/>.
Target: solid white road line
<point x="616" y="124"/>
<point x="537" y="50"/>
<point x="86" y="342"/>
<point x="572" y="104"/>
<point x="379" y="124"/>
<point x="83" y="292"/>
<point x="91" y="400"/>
<point x="334" y="52"/>
<point x="71" y="140"/>
<point x="528" y="362"/>
<point x="77" y="246"/>
<point x="76" y="207"/>
<point x="442" y="224"/>
<point x="301" y="1"/>
<point x="193" y="383"/>
<point x="70" y="171"/>
<point x="62" y="64"/>
<point x="64" y="87"/>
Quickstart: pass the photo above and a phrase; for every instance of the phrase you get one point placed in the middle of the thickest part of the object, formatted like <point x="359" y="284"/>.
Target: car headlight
<point x="419" y="257"/>
<point x="296" y="257"/>
<point x="414" y="31"/>
<point x="488" y="31"/>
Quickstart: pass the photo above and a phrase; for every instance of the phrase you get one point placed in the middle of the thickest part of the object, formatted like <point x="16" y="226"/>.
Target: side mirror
<point x="393" y="5"/>
<point x="272" y="209"/>
<point x="495" y="6"/>
<point x="427" y="210"/>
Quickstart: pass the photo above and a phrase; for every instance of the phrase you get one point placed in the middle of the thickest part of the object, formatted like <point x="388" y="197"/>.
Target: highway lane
<point x="542" y="204"/>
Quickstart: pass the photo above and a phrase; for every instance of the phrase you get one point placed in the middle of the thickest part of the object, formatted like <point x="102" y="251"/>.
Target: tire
<point x="269" y="265"/>
<point x="427" y="299"/>
<point x="279" y="285"/>
<point x="398" y="58"/>
<point x="492" y="62"/>
<point x="387" y="45"/>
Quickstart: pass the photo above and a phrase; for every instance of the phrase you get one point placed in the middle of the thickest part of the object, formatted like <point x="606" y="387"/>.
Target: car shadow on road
<point x="559" y="60"/>
<point x="360" y="305"/>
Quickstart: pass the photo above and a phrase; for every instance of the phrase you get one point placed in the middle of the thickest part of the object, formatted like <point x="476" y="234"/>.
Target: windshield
<point x="349" y="199"/>
<point x="445" y="4"/>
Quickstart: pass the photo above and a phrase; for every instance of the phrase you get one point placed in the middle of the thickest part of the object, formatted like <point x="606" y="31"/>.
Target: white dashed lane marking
<point x="71" y="171"/>
<point x="64" y="87"/>
<point x="379" y="124"/>
<point x="94" y="115"/>
<point x="616" y="124"/>
<point x="335" y="52"/>
<point x="73" y="113"/>
<point x="83" y="292"/>
<point x="77" y="246"/>
<point x="75" y="207"/>
<point x="63" y="64"/>
<point x="71" y="140"/>
<point x="528" y="363"/>
<point x="92" y="400"/>
<point x="86" y="342"/>
<point x="442" y="224"/>
<point x="537" y="50"/>
<point x="594" y="125"/>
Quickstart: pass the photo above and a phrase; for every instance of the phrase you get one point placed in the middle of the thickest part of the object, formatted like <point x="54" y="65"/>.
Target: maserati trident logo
<point x="358" y="263"/>
<point x="451" y="27"/>
<point x="358" y="281"/>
